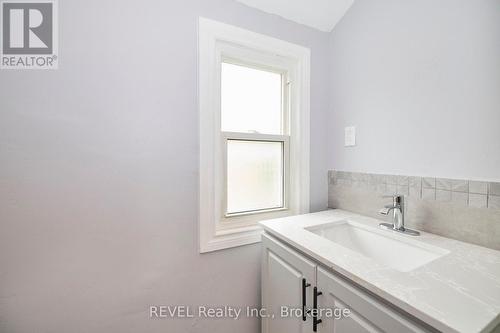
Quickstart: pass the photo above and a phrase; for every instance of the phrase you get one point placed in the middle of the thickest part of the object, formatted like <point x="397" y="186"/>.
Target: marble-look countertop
<point x="458" y="292"/>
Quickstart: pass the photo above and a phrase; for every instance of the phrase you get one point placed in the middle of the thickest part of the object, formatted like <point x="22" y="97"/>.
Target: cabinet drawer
<point x="368" y="314"/>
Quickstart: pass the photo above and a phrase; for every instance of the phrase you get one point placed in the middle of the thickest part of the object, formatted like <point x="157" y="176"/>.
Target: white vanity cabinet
<point x="284" y="272"/>
<point x="287" y="280"/>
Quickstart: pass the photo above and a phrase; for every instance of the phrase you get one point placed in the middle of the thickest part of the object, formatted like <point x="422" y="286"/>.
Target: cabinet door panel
<point x="282" y="272"/>
<point x="368" y="314"/>
<point x="354" y="323"/>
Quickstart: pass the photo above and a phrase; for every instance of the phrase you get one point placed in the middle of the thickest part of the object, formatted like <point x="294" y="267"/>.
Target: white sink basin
<point x="385" y="247"/>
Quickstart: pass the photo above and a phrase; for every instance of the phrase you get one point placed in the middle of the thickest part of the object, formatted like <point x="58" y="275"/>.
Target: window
<point x="254" y="112"/>
<point x="254" y="133"/>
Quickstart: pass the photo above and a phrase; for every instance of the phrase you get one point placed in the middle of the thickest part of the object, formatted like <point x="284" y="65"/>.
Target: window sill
<point x="231" y="238"/>
<point x="255" y="212"/>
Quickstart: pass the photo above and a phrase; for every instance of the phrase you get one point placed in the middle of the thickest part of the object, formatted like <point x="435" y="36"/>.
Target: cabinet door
<point x="283" y="271"/>
<point x="367" y="314"/>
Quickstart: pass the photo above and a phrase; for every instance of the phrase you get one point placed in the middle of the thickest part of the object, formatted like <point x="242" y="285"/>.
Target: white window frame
<point x="220" y="42"/>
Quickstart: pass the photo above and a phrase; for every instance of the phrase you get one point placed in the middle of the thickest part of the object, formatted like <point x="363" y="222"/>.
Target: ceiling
<point x="319" y="14"/>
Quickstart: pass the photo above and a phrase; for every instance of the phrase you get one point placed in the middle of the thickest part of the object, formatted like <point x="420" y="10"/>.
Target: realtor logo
<point x="29" y="34"/>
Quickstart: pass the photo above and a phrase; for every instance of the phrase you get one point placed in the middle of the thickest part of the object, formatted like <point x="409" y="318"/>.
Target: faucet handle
<point x="397" y="199"/>
<point x="386" y="210"/>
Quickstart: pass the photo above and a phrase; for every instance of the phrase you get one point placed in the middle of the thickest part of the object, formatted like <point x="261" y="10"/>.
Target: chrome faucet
<point x="398" y="219"/>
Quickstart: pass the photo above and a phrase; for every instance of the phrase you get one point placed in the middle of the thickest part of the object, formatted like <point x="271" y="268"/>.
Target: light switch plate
<point x="350" y="136"/>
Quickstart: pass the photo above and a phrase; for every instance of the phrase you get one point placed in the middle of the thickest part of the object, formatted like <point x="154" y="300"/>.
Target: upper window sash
<point x="238" y="55"/>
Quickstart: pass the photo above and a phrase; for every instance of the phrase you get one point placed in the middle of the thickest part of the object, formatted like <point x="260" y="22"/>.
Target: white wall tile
<point x="478" y="200"/>
<point x="478" y="187"/>
<point x="443" y="195"/>
<point x="429" y="193"/>
<point x="461" y="198"/>
<point x="494" y="201"/>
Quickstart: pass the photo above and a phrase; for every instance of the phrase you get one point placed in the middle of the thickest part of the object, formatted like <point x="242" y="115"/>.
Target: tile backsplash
<point x="466" y="210"/>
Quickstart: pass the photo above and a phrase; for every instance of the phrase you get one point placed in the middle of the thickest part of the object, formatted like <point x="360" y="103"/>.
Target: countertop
<point x="458" y="292"/>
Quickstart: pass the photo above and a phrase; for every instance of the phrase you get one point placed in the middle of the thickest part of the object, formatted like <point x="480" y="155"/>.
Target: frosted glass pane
<point x="250" y="100"/>
<point x="254" y="175"/>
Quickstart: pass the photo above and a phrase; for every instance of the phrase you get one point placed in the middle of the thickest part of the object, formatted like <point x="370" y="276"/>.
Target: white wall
<point x="99" y="169"/>
<point x="420" y="79"/>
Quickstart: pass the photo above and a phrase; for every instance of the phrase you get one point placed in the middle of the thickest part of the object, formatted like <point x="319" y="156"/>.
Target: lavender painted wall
<point x="99" y="168"/>
<point x="420" y="79"/>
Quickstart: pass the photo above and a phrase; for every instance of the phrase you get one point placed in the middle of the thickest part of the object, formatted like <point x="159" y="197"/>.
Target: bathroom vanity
<point x="388" y="281"/>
